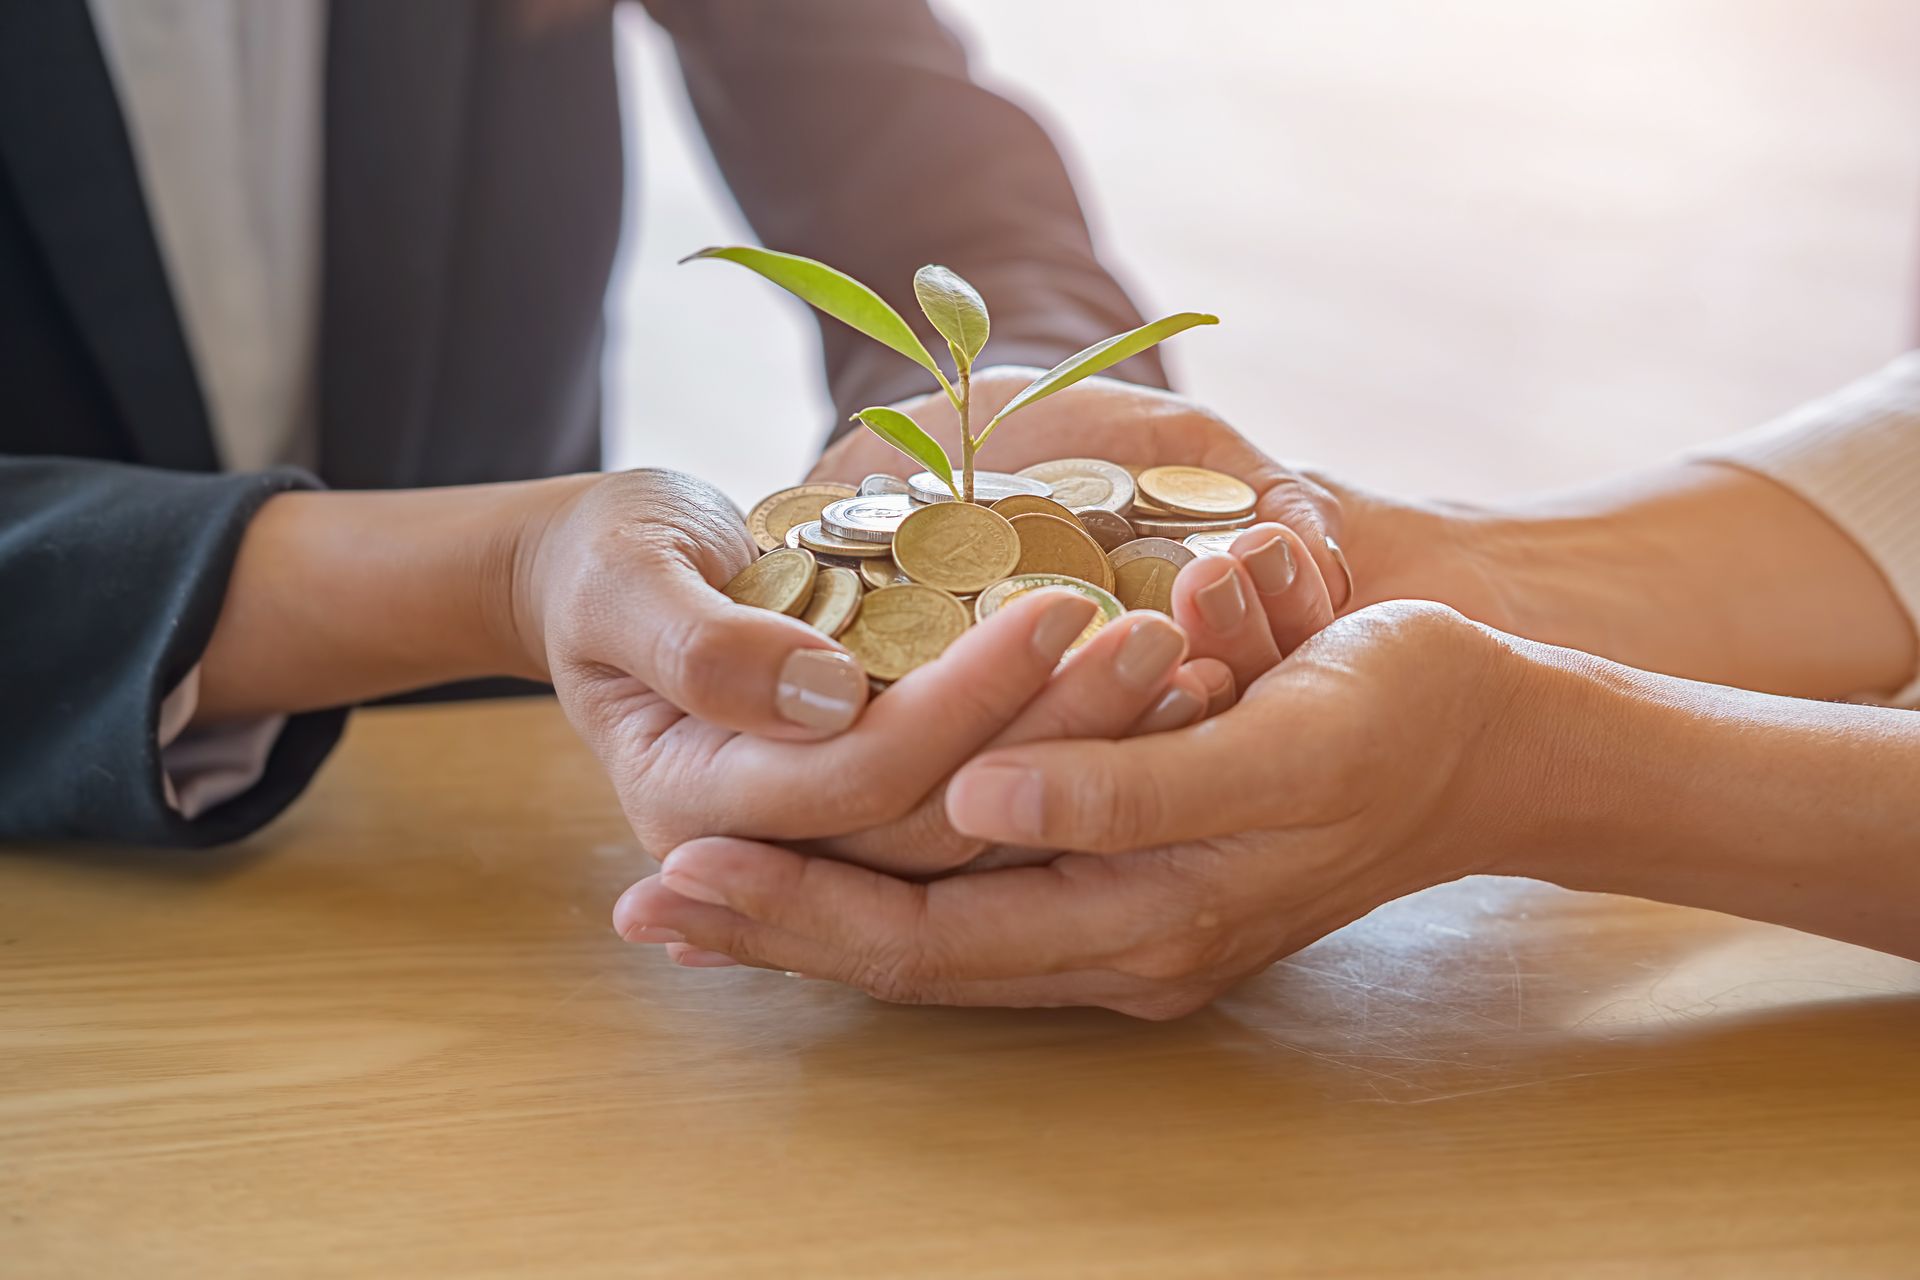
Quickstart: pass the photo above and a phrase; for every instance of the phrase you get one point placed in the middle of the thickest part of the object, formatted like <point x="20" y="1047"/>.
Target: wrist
<point x="517" y="577"/>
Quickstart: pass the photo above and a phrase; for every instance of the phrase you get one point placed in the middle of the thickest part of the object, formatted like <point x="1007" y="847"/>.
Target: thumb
<point x="741" y="668"/>
<point x="1312" y="511"/>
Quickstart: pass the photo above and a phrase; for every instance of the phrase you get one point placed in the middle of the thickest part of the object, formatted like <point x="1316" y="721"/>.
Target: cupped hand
<point x="1376" y="760"/>
<point x="713" y="718"/>
<point x="1123" y="423"/>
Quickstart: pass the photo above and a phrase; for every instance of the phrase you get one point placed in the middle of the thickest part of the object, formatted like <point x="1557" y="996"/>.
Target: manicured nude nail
<point x="1222" y="604"/>
<point x="1060" y="624"/>
<point x="1148" y="653"/>
<point x="653" y="933"/>
<point x="1271" y="565"/>
<point x="1176" y="710"/>
<point x="695" y="958"/>
<point x="821" y="689"/>
<point x="1011" y="793"/>
<point x="686" y="886"/>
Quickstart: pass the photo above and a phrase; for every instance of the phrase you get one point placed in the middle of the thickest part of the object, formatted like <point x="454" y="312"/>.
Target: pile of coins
<point x="897" y="569"/>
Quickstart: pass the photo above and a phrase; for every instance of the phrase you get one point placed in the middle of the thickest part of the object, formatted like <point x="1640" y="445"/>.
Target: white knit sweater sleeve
<point x="1856" y="456"/>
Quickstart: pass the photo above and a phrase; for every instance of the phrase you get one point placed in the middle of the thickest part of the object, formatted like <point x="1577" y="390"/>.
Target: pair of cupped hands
<point x="1180" y="803"/>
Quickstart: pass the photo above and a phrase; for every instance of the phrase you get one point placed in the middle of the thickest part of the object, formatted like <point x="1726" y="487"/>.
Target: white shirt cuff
<point x="1856" y="456"/>
<point x="209" y="765"/>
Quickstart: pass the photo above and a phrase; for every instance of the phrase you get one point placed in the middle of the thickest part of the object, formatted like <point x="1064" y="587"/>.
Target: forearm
<point x="341" y="597"/>
<point x="1800" y="813"/>
<point x="1703" y="571"/>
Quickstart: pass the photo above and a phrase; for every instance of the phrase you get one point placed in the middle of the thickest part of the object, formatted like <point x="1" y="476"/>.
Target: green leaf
<point x="1095" y="359"/>
<point x="906" y="435"/>
<point x="956" y="308"/>
<point x="834" y="292"/>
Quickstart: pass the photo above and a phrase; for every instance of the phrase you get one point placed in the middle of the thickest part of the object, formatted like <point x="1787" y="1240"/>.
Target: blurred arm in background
<point x="851" y="131"/>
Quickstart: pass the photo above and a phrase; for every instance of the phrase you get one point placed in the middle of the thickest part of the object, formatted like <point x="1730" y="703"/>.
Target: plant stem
<point x="966" y="433"/>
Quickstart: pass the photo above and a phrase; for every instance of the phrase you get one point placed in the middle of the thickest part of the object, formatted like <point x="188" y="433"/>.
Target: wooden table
<point x="395" y="1037"/>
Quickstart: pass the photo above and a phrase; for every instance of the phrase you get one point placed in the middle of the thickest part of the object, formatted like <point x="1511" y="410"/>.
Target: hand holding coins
<point x="927" y="566"/>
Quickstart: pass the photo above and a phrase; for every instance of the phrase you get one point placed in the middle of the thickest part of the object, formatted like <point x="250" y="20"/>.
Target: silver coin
<point x="988" y="487"/>
<point x="1085" y="482"/>
<point x="867" y="519"/>
<point x="1215" y="543"/>
<point x="817" y="540"/>
<point x="1181" y="527"/>
<point x="1159" y="548"/>
<point x="881" y="482"/>
<point x="1108" y="529"/>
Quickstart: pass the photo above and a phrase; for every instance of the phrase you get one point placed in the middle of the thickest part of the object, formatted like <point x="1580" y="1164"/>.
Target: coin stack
<point x="897" y="569"/>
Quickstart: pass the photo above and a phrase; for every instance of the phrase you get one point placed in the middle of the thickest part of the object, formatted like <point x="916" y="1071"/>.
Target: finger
<point x="1294" y="500"/>
<point x="1287" y="583"/>
<point x="1211" y="779"/>
<point x="1122" y="674"/>
<point x="1216" y="678"/>
<point x="926" y="725"/>
<point x="768" y="906"/>
<point x="751" y="670"/>
<point x="1214" y="601"/>
<point x="1104" y="688"/>
<point x="1184" y="702"/>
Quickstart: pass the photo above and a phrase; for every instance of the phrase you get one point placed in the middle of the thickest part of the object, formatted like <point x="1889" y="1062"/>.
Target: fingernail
<point x="1148" y="653"/>
<point x="1060" y="625"/>
<point x="1222" y="604"/>
<point x="687" y="887"/>
<point x="653" y="933"/>
<point x="1271" y="565"/>
<point x="1010" y="792"/>
<point x="821" y="689"/>
<point x="1346" y="570"/>
<point x="1176" y="710"/>
<point x="695" y="958"/>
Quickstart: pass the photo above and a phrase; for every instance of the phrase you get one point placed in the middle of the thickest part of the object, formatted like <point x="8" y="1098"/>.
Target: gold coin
<point x="1004" y="592"/>
<point x="814" y="537"/>
<point x="960" y="547"/>
<point x="1049" y="544"/>
<point x="1109" y="530"/>
<point x="1196" y="492"/>
<point x="1085" y="482"/>
<point x="1144" y="570"/>
<point x="1030" y="504"/>
<point x="836" y="599"/>
<point x="903" y="627"/>
<point x="881" y="573"/>
<point x="776" y="514"/>
<point x="780" y="580"/>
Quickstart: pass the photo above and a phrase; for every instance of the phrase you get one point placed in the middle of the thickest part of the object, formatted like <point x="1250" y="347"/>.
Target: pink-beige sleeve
<point x="208" y="765"/>
<point x="1855" y="455"/>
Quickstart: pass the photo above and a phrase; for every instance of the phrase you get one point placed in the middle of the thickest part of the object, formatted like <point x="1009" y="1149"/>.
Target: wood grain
<point x="394" y="1036"/>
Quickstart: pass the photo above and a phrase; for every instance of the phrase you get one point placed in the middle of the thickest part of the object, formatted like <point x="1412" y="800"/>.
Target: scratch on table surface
<point x="1508" y="1088"/>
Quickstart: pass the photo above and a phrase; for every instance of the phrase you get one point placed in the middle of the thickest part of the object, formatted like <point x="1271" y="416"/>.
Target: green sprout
<point x="958" y="314"/>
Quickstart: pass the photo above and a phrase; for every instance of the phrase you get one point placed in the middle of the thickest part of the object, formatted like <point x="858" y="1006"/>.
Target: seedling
<point x="958" y="314"/>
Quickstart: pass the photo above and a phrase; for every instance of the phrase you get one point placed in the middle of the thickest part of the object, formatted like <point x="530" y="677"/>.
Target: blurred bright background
<point x="1466" y="249"/>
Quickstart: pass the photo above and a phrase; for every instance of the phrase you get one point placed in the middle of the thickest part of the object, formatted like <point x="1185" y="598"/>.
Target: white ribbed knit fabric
<point x="1855" y="455"/>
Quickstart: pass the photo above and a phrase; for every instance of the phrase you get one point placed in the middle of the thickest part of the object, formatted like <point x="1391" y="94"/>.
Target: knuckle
<point x="1104" y="813"/>
<point x="694" y="658"/>
<point x="894" y="979"/>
